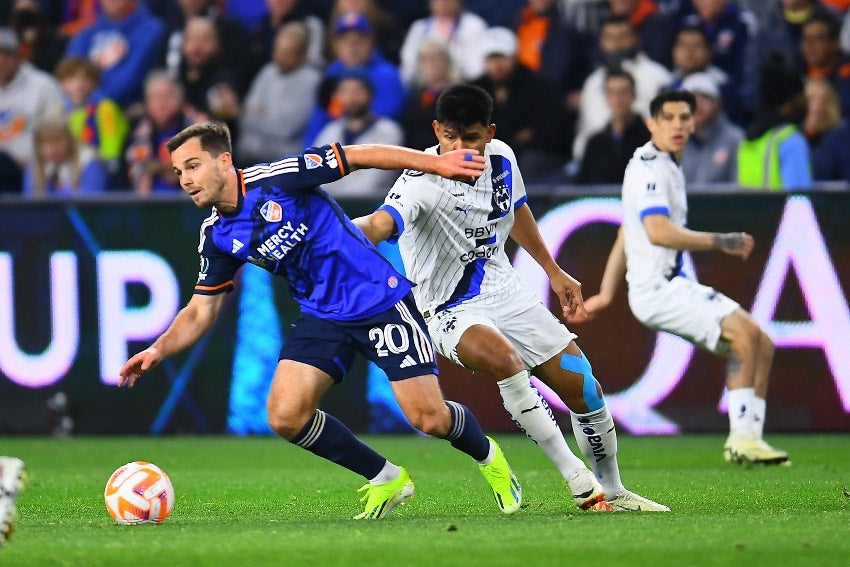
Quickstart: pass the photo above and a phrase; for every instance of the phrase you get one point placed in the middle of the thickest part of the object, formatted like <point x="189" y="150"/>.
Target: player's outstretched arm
<point x="662" y="232"/>
<point x="615" y="271"/>
<point x="457" y="164"/>
<point x="567" y="288"/>
<point x="377" y="226"/>
<point x="188" y="326"/>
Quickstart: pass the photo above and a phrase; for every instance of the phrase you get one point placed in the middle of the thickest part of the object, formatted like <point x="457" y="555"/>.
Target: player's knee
<point x="747" y="339"/>
<point x="434" y="423"/>
<point x="766" y="347"/>
<point x="506" y="364"/>
<point x="285" y="422"/>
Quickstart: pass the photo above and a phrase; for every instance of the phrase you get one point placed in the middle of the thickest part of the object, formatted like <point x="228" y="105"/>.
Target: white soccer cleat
<point x="628" y="501"/>
<point x="587" y="493"/>
<point x="750" y="450"/>
<point x="12" y="476"/>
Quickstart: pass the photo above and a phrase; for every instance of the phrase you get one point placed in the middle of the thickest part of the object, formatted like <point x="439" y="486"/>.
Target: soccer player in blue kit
<point x="352" y="300"/>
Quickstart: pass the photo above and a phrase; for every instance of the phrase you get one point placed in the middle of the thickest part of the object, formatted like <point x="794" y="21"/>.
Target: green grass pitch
<point x="261" y="501"/>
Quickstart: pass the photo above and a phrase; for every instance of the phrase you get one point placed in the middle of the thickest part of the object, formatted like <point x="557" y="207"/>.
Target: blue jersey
<point x="286" y="224"/>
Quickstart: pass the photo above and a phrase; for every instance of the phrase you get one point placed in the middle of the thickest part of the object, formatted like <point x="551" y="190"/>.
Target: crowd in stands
<point x="91" y="90"/>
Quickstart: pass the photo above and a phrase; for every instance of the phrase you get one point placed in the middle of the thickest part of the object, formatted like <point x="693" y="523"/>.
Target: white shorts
<point x="533" y="330"/>
<point x="685" y="308"/>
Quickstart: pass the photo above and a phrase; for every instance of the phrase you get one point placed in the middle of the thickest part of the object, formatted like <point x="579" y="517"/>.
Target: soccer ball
<point x="139" y="493"/>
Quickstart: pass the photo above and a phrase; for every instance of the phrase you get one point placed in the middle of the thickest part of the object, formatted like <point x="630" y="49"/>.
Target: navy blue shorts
<point x="396" y="340"/>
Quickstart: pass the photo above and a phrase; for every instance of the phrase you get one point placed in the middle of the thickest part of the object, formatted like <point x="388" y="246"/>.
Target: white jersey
<point x="452" y="234"/>
<point x="653" y="184"/>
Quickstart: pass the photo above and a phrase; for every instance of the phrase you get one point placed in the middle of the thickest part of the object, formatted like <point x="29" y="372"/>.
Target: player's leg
<point x="570" y="375"/>
<point x="398" y="342"/>
<point x="422" y="402"/>
<point x="750" y="360"/>
<point x="12" y="477"/>
<point x="315" y="356"/>
<point x="483" y="348"/>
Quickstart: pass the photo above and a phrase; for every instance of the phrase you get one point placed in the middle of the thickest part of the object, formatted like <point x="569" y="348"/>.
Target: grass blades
<point x="261" y="501"/>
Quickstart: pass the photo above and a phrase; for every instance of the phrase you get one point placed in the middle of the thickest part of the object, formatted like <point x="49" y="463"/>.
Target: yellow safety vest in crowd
<point x="758" y="159"/>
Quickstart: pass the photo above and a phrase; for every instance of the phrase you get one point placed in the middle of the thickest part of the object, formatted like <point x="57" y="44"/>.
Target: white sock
<point x="531" y="412"/>
<point x="740" y="401"/>
<point x="597" y="440"/>
<point x="491" y="452"/>
<point x="759" y="407"/>
<point x="389" y="473"/>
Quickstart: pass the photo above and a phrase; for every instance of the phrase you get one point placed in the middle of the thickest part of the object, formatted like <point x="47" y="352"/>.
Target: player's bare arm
<point x="568" y="289"/>
<point x="662" y="232"/>
<point x="377" y="226"/>
<point x="612" y="277"/>
<point x="457" y="164"/>
<point x="188" y="326"/>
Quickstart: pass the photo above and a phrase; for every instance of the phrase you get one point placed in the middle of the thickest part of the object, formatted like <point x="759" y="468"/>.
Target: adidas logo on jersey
<point x="407" y="362"/>
<point x="237" y="246"/>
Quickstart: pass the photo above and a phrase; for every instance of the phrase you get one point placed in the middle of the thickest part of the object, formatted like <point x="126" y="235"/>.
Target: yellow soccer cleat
<point x="382" y="498"/>
<point x="500" y="477"/>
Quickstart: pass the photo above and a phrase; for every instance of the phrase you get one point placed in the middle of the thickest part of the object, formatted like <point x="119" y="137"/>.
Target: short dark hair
<point x="833" y="26"/>
<point x="672" y="95"/>
<point x="214" y="138"/>
<point x="698" y="31"/>
<point x="613" y="73"/>
<point x="462" y="106"/>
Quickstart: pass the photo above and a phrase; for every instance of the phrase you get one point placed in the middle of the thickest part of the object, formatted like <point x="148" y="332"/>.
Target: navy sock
<point x="327" y="437"/>
<point x="466" y="434"/>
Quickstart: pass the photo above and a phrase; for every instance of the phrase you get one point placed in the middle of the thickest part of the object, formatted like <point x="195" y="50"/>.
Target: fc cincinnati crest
<point x="392" y="281"/>
<point x="271" y="211"/>
<point x="312" y="161"/>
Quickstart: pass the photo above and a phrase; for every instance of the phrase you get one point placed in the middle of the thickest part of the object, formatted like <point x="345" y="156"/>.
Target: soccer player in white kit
<point x="452" y="236"/>
<point x="648" y="250"/>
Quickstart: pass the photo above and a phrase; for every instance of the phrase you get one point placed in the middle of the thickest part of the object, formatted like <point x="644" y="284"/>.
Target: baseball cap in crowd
<point x="499" y="41"/>
<point x="8" y="40"/>
<point x="352" y="21"/>
<point x="701" y="83"/>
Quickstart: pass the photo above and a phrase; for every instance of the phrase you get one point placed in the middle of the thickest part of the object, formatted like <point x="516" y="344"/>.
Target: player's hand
<point x="137" y="365"/>
<point x="734" y="243"/>
<point x="594" y="305"/>
<point x="463" y="164"/>
<point x="568" y="290"/>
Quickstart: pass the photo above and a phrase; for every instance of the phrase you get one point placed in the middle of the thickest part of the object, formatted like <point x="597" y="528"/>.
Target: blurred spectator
<point x="823" y="112"/>
<point x="359" y="125"/>
<point x="710" y="155"/>
<point x="497" y="13"/>
<point x="147" y="160"/>
<point x="780" y="24"/>
<point x="455" y="27"/>
<point x="212" y="87"/>
<point x="619" y="44"/>
<point x="27" y="96"/>
<point x="526" y="107"/>
<point x="831" y="158"/>
<point x="434" y="73"/>
<point x="279" y="13"/>
<point x="41" y="43"/>
<point x="95" y="120"/>
<point x="61" y="166"/>
<point x="78" y="15"/>
<point x="727" y="29"/>
<point x="389" y="35"/>
<point x="692" y="54"/>
<point x="609" y="151"/>
<point x="124" y="42"/>
<point x="354" y="48"/>
<point x="549" y="45"/>
<point x="774" y="154"/>
<point x="234" y="36"/>
<point x="822" y="55"/>
<point x="267" y="128"/>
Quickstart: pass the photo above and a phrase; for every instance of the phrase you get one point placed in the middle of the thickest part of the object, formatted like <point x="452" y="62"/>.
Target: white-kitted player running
<point x="452" y="236"/>
<point x="648" y="250"/>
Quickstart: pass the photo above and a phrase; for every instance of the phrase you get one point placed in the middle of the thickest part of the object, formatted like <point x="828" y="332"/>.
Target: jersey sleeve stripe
<point x="399" y="222"/>
<point x="340" y="159"/>
<point x="655" y="211"/>
<point x="521" y="202"/>
<point x="228" y="283"/>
